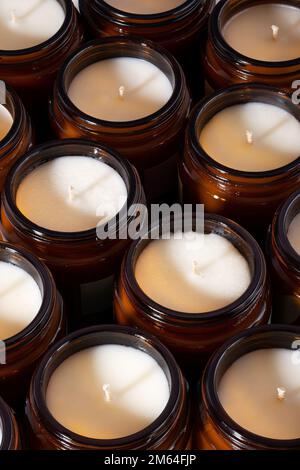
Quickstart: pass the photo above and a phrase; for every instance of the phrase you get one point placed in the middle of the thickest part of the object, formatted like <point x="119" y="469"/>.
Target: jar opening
<point x="289" y="210"/>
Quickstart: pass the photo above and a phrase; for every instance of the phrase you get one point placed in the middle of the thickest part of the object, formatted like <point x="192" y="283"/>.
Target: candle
<point x="28" y="23"/>
<point x="260" y="392"/>
<point x="254" y="136"/>
<point x="107" y="391"/>
<point x="120" y="89"/>
<point x="6" y="121"/>
<point x="294" y="233"/>
<point x="145" y="8"/>
<point x="71" y="194"/>
<point x="268" y="32"/>
<point x="196" y="273"/>
<point x="20" y="300"/>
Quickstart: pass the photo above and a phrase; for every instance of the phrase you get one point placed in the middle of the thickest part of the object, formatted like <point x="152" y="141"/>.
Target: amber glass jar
<point x="152" y="144"/>
<point x="250" y="198"/>
<point x="193" y="337"/>
<point x="171" y="430"/>
<point x="214" y="429"/>
<point x="32" y="71"/>
<point x="224" y="66"/>
<point x="83" y="265"/>
<point x="25" y="349"/>
<point x="285" y="264"/>
<point x="183" y="30"/>
<point x="8" y="428"/>
<point x="19" y="138"/>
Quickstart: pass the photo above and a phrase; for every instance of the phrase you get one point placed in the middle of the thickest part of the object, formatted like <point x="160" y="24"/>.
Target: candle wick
<point x="249" y="137"/>
<point x="121" y="91"/>
<point x="71" y="193"/>
<point x="13" y="17"/>
<point x="275" y="31"/>
<point x="196" y="268"/>
<point x="107" y="392"/>
<point x="281" y="393"/>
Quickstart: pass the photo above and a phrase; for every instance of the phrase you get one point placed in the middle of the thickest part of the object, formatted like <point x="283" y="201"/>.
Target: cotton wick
<point x="71" y="191"/>
<point x="196" y="268"/>
<point x="249" y="137"/>
<point x="13" y="17"/>
<point x="281" y="393"/>
<point x="107" y="392"/>
<point x="275" y="31"/>
<point x="121" y="91"/>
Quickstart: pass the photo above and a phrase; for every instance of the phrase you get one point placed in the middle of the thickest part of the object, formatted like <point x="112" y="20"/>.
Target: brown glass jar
<point x="18" y="139"/>
<point x="31" y="72"/>
<point x="225" y="66"/>
<point x="250" y="198"/>
<point x="285" y="264"/>
<point x="25" y="349"/>
<point x="214" y="429"/>
<point x="83" y="265"/>
<point x="171" y="430"/>
<point x="152" y="144"/>
<point x="193" y="337"/>
<point x="182" y="31"/>
<point x="9" y="428"/>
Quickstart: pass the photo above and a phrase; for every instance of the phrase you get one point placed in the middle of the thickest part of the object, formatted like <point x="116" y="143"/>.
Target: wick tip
<point x="275" y="31"/>
<point x="249" y="137"/>
<point x="281" y="393"/>
<point x="121" y="91"/>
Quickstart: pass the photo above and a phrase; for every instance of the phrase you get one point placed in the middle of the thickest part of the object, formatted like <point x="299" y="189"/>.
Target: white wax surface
<point x="250" y="32"/>
<point x="193" y="276"/>
<point x="144" y="89"/>
<point x="275" y="137"/>
<point x="20" y="300"/>
<point x="248" y="393"/>
<point x="145" y="7"/>
<point x="71" y="194"/>
<point x="27" y="23"/>
<point x="107" y="392"/>
<point x="6" y="121"/>
<point x="294" y="233"/>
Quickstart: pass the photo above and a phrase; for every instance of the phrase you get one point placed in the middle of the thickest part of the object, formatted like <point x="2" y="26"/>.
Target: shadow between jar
<point x="242" y="240"/>
<point x="222" y="12"/>
<point x="120" y="46"/>
<point x="235" y="95"/>
<point x="286" y="214"/>
<point x="55" y="149"/>
<point x="14" y="105"/>
<point x="7" y="426"/>
<point x="159" y="19"/>
<point x="29" y="52"/>
<point x="271" y="336"/>
<point x="30" y="264"/>
<point x="89" y="337"/>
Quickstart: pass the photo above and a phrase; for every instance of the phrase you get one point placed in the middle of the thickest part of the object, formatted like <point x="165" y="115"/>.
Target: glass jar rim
<point x="157" y="311"/>
<point x="243" y="91"/>
<point x="176" y="13"/>
<point x="140" y="43"/>
<point x="211" y="400"/>
<point x="231" y="54"/>
<point x="281" y="227"/>
<point x="42" y="232"/>
<point x="7" y="425"/>
<point x="18" y="254"/>
<point x="64" y="346"/>
<point x="56" y="38"/>
<point x="12" y="100"/>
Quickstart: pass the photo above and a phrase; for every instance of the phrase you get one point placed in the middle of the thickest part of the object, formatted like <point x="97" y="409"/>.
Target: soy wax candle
<point x="16" y="135"/>
<point x="253" y="41"/>
<point x="36" y="37"/>
<point x="284" y="259"/>
<point x="131" y="95"/>
<point x="31" y="319"/>
<point x="243" y="172"/>
<point x="130" y="394"/>
<point x="194" y="291"/>
<point x="65" y="191"/>
<point x="9" y="431"/>
<point x="178" y="25"/>
<point x="268" y="358"/>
